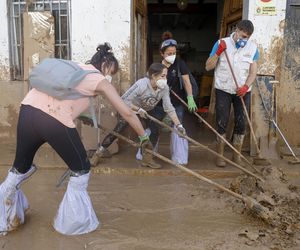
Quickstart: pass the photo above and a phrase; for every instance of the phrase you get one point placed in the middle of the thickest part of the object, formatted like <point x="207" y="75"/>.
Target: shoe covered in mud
<point x="98" y="155"/>
<point x="13" y="202"/>
<point x="237" y="143"/>
<point x="147" y="161"/>
<point x="151" y="164"/>
<point x="220" y="150"/>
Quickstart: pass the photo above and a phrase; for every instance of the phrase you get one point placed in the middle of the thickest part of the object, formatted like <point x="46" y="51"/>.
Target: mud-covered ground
<point x="138" y="212"/>
<point x="278" y="201"/>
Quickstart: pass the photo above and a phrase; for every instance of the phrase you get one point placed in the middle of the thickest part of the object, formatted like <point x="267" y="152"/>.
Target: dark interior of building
<point x="195" y="25"/>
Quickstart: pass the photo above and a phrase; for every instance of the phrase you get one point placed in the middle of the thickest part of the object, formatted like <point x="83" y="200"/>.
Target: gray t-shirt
<point x="141" y="94"/>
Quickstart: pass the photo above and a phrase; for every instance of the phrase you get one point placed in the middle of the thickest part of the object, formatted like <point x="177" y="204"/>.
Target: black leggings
<point x="119" y="128"/>
<point x="35" y="127"/>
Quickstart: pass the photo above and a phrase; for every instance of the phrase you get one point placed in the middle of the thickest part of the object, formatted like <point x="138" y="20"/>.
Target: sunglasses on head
<point x="169" y="42"/>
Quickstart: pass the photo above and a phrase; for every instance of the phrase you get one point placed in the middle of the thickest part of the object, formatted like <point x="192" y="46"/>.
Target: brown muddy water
<point x="137" y="212"/>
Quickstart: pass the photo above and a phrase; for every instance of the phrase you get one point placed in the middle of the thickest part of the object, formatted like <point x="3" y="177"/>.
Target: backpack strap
<point x="93" y="112"/>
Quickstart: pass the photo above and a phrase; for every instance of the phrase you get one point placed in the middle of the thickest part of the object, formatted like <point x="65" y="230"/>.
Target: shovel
<point x="270" y="149"/>
<point x="251" y="204"/>
<point x="270" y="114"/>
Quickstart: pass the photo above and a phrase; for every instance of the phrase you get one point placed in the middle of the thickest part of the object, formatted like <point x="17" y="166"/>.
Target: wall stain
<point x="270" y="59"/>
<point x="288" y="94"/>
<point x="124" y="72"/>
<point x="4" y="69"/>
<point x="9" y="126"/>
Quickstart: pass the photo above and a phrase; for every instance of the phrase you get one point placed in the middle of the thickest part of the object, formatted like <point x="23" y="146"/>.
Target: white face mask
<point x="161" y="83"/>
<point x="170" y="59"/>
<point x="108" y="78"/>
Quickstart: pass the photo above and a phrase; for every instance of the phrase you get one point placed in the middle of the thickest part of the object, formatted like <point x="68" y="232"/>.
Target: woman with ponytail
<point x="143" y="96"/>
<point x="175" y="66"/>
<point x="44" y="118"/>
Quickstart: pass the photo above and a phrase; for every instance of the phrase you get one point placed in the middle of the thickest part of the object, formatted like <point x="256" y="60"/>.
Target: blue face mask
<point x="241" y="42"/>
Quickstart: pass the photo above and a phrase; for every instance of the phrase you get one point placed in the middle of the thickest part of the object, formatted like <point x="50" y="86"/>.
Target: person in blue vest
<point x="243" y="55"/>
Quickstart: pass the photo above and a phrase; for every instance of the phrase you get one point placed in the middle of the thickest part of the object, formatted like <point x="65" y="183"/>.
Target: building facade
<point x="70" y="29"/>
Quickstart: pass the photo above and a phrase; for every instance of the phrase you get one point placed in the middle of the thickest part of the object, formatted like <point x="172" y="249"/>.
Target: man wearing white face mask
<point x="146" y="93"/>
<point x="243" y="55"/>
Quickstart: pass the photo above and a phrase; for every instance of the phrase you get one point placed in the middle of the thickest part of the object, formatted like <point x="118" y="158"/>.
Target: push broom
<point x="258" y="160"/>
<point x="216" y="133"/>
<point x="251" y="204"/>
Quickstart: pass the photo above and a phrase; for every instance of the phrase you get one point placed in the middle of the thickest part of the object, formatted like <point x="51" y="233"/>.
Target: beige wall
<point x="269" y="36"/>
<point x="11" y="95"/>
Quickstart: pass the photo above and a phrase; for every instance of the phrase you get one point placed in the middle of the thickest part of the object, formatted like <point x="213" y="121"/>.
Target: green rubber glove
<point x="145" y="143"/>
<point x="191" y="103"/>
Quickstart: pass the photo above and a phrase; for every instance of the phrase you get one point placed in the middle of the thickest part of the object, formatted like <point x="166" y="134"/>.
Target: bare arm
<point x="211" y="62"/>
<point x="174" y="118"/>
<point x="104" y="87"/>
<point x="169" y="108"/>
<point x="187" y="84"/>
<point x="252" y="73"/>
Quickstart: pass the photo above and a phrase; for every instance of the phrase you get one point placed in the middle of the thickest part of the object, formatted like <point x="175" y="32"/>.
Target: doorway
<point x="196" y="25"/>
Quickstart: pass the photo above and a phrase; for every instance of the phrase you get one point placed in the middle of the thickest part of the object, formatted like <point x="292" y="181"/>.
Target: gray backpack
<point x="58" y="78"/>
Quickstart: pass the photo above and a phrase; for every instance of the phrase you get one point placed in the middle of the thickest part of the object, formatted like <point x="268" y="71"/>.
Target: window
<point x="60" y="9"/>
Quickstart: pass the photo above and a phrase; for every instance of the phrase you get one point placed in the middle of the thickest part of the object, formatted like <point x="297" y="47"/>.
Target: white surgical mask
<point x="170" y="59"/>
<point x="161" y="83"/>
<point x="108" y="78"/>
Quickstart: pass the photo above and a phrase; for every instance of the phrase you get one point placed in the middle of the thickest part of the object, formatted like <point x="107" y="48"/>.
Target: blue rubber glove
<point x="191" y="103"/>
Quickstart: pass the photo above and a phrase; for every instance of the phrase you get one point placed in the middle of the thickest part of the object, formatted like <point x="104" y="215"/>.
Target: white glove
<point x="142" y="113"/>
<point x="181" y="129"/>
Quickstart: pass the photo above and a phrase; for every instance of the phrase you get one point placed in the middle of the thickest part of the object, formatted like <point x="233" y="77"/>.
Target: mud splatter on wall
<point x="4" y="69"/>
<point x="94" y="23"/>
<point x="289" y="98"/>
<point x="11" y="95"/>
<point x="4" y="43"/>
<point x="269" y="37"/>
<point x="124" y="62"/>
<point x="270" y="58"/>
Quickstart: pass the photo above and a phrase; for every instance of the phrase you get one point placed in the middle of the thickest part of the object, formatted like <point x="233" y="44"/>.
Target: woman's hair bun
<point x="104" y="48"/>
<point x="166" y="35"/>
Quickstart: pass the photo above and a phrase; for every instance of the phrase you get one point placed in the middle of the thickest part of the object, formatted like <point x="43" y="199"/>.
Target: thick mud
<point x="281" y="199"/>
<point x="138" y="212"/>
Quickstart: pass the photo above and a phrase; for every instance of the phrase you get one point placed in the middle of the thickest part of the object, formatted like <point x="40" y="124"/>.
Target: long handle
<point x="165" y="159"/>
<point x="202" y="146"/>
<point x="216" y="132"/>
<point x="285" y="140"/>
<point x="244" y="106"/>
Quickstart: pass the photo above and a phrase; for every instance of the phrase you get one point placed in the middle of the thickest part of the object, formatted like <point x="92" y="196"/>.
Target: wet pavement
<point x="139" y="208"/>
<point x="136" y="212"/>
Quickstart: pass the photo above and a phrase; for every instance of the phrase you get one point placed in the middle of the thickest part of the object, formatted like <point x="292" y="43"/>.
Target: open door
<point x="139" y="40"/>
<point x="232" y="14"/>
